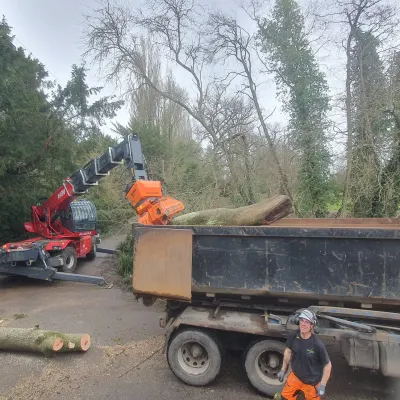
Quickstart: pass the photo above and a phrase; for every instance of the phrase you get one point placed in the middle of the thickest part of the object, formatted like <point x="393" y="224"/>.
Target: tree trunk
<point x="235" y="180"/>
<point x="254" y="97"/>
<point x="349" y="120"/>
<point x="263" y="213"/>
<point x="38" y="340"/>
<point x="249" y="180"/>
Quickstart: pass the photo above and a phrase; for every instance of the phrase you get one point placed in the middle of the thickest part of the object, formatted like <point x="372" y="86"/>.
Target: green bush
<point x="125" y="258"/>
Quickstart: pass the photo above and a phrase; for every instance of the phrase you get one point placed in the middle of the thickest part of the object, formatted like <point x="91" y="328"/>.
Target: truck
<point x="65" y="225"/>
<point x="243" y="287"/>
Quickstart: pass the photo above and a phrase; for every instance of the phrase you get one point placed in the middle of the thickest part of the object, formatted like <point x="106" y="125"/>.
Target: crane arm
<point x="145" y="196"/>
<point x="129" y="150"/>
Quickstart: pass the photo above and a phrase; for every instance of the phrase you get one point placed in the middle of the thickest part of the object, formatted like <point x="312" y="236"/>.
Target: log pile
<point x="38" y="340"/>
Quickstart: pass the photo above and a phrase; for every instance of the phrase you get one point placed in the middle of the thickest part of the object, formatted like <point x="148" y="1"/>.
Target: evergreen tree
<point x="24" y="139"/>
<point x="370" y="124"/>
<point x="41" y="127"/>
<point x="387" y="192"/>
<point x="303" y="89"/>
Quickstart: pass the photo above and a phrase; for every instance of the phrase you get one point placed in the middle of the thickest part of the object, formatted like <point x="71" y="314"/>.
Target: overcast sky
<point x="52" y="30"/>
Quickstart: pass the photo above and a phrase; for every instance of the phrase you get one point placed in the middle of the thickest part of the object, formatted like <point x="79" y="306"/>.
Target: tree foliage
<point x="195" y="81"/>
<point x="387" y="193"/>
<point x="369" y="88"/>
<point x="304" y="90"/>
<point x="41" y="130"/>
<point x="27" y="147"/>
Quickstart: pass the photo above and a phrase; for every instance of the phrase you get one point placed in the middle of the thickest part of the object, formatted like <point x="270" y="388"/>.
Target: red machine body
<point x="66" y="225"/>
<point x="46" y="221"/>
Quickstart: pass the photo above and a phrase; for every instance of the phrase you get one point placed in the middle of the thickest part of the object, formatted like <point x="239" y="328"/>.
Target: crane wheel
<point x="92" y="253"/>
<point x="70" y="260"/>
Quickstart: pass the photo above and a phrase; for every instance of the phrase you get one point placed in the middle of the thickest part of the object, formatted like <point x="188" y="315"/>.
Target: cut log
<point x="38" y="340"/>
<point x="263" y="213"/>
<point x="75" y="342"/>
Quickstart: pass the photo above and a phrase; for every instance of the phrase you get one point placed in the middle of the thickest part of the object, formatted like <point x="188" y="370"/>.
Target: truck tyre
<point x="194" y="356"/>
<point x="93" y="252"/>
<point x="263" y="361"/>
<point x="70" y="259"/>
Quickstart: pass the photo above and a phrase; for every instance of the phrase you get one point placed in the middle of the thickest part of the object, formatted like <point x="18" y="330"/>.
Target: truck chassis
<point x="197" y="335"/>
<point x="243" y="287"/>
<point x="37" y="263"/>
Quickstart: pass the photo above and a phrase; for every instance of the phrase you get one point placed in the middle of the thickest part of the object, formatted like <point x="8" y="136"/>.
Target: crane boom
<point x="129" y="150"/>
<point x="145" y="195"/>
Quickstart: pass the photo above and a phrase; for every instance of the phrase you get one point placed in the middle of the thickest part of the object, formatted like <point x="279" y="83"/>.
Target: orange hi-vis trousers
<point x="294" y="386"/>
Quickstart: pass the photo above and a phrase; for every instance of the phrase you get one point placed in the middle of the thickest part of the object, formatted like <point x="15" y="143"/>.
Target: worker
<point x="311" y="366"/>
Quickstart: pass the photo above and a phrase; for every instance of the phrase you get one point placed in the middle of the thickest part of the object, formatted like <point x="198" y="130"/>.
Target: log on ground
<point x="263" y="213"/>
<point x="75" y="342"/>
<point x="38" y="340"/>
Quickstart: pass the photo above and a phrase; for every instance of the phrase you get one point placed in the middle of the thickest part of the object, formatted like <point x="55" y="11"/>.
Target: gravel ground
<point x="125" y="360"/>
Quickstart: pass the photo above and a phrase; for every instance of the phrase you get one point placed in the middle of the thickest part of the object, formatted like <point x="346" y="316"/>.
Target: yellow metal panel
<point x="163" y="263"/>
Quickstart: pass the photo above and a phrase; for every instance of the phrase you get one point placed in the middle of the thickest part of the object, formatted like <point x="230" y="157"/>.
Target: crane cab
<point x="80" y="216"/>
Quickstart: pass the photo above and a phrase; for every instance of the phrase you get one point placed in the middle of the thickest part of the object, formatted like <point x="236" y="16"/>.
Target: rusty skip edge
<point x="290" y="230"/>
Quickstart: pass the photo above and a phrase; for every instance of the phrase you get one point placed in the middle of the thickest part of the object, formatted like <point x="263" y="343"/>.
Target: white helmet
<point x="309" y="316"/>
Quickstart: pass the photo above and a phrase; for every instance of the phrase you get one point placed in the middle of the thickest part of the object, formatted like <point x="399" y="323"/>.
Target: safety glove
<point x="321" y="389"/>
<point x="281" y="376"/>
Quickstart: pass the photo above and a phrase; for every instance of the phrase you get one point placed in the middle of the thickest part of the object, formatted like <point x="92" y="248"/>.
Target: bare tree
<point x="151" y="109"/>
<point x="145" y="101"/>
<point x="231" y="119"/>
<point x="228" y="40"/>
<point x="175" y="122"/>
<point x="113" y="44"/>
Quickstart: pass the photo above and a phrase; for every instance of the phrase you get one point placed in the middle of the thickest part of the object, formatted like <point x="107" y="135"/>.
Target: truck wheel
<point x="194" y="356"/>
<point x="70" y="260"/>
<point x="263" y="361"/>
<point x="92" y="253"/>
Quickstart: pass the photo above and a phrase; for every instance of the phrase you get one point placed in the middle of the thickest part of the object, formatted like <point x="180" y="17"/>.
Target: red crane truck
<point x="66" y="225"/>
